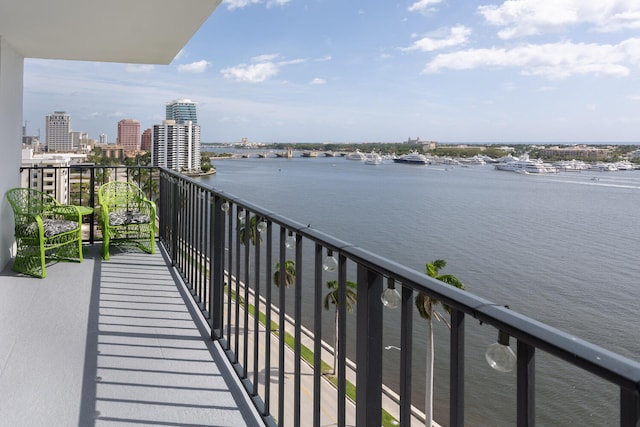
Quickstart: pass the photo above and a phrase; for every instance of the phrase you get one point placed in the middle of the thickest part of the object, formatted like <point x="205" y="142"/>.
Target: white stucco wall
<point x="11" y="80"/>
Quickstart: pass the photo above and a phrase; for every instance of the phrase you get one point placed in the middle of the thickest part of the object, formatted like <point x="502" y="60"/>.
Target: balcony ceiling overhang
<point x="130" y="31"/>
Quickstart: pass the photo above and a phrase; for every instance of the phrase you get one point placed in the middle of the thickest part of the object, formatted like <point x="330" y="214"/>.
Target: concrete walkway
<point x="111" y="343"/>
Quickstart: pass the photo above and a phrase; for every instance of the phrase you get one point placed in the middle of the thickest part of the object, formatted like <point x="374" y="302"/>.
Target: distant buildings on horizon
<point x="174" y="144"/>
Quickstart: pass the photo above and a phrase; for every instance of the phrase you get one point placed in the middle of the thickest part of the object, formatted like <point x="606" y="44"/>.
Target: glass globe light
<point x="242" y="214"/>
<point x="225" y="207"/>
<point x="329" y="263"/>
<point x="290" y="241"/>
<point x="261" y="226"/>
<point x="499" y="355"/>
<point x="390" y="297"/>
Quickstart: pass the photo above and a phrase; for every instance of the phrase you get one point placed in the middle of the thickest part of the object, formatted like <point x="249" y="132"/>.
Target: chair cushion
<point x="52" y="227"/>
<point x="128" y="217"/>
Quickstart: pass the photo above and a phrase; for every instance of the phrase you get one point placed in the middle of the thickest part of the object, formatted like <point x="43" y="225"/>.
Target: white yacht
<point x="624" y="166"/>
<point x="356" y="155"/>
<point x="603" y="167"/>
<point x="477" y="160"/>
<point x="524" y="164"/>
<point x="412" y="158"/>
<point x="373" y="158"/>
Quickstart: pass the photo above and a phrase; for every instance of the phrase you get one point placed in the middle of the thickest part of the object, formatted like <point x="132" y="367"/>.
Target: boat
<point x="477" y="160"/>
<point x="312" y="153"/>
<point x="373" y="158"/>
<point x="624" y="166"/>
<point x="413" y="158"/>
<point x="357" y="156"/>
<point x="571" y="165"/>
<point x="524" y="164"/>
<point x="603" y="167"/>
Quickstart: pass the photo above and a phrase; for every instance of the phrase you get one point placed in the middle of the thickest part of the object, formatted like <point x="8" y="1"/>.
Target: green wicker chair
<point x="127" y="216"/>
<point x="44" y="230"/>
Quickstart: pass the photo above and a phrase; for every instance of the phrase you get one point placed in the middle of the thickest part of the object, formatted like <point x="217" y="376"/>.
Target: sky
<point x="452" y="71"/>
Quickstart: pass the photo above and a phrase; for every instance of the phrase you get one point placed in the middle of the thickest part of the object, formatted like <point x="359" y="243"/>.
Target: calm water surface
<point x="561" y="248"/>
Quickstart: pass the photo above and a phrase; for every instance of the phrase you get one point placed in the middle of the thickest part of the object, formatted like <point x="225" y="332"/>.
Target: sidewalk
<point x="328" y="391"/>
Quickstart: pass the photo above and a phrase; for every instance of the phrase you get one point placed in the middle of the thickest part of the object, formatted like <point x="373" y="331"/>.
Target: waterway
<point x="561" y="248"/>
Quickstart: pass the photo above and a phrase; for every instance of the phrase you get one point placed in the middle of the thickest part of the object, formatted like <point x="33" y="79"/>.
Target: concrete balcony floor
<point x="106" y="343"/>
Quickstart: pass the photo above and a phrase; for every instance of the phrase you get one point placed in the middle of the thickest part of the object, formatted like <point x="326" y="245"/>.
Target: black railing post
<point x="317" y="332"/>
<point x="629" y="408"/>
<point x="369" y="348"/>
<point x="175" y="202"/>
<point x="216" y="270"/>
<point x="297" y="346"/>
<point x="342" y="340"/>
<point x="456" y="393"/>
<point x="406" y="351"/>
<point x="526" y="369"/>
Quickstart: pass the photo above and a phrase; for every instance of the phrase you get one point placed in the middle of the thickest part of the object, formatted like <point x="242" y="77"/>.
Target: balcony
<point x="193" y="334"/>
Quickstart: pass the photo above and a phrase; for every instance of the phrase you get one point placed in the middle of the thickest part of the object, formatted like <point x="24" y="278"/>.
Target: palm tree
<point x="425" y="305"/>
<point x="253" y="233"/>
<point x="289" y="273"/>
<point x="332" y="297"/>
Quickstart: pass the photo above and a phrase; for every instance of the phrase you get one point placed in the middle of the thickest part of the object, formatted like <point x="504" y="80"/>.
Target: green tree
<point x="426" y="307"/>
<point x="332" y="297"/>
<point x="253" y="231"/>
<point x="289" y="271"/>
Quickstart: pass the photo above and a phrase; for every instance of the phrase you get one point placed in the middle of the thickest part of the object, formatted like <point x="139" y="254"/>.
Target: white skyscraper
<point x="58" y="132"/>
<point x="176" y="146"/>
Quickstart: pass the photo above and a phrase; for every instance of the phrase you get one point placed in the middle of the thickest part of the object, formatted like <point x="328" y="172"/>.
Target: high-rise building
<point x="79" y="140"/>
<point x="182" y="111"/>
<point x="58" y="132"/>
<point x="146" y="139"/>
<point x="176" y="146"/>
<point x="129" y="134"/>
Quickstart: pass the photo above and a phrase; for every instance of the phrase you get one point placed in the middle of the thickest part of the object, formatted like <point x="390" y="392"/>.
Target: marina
<point x="522" y="165"/>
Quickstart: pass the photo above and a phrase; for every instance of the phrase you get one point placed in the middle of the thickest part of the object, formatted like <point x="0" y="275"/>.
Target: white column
<point x="11" y="87"/>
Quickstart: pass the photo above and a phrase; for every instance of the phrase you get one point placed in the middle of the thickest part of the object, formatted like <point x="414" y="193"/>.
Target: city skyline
<point x="293" y="71"/>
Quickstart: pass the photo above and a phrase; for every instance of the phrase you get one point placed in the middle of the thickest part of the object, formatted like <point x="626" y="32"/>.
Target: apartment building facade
<point x="176" y="146"/>
<point x="58" y="132"/>
<point x="129" y="134"/>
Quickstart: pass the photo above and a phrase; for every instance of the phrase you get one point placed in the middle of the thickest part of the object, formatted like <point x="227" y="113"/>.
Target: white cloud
<point x="634" y="97"/>
<point x="553" y="60"/>
<point x="318" y="81"/>
<point x="423" y="6"/>
<point x="238" y="4"/>
<point x="194" y="67"/>
<point x="253" y="73"/>
<point x="263" y="68"/>
<point x="265" y="57"/>
<point x="458" y="35"/>
<point x="520" y="18"/>
<point x="139" y="68"/>
<point x="275" y="3"/>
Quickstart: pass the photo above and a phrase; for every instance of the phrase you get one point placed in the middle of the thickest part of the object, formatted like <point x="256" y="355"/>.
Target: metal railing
<point x="78" y="184"/>
<point x="228" y="250"/>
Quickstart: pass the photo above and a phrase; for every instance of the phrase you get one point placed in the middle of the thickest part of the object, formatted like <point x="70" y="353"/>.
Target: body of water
<point x="560" y="248"/>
